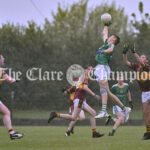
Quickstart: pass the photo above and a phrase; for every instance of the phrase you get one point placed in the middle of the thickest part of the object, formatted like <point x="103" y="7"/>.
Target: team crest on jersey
<point x="121" y="90"/>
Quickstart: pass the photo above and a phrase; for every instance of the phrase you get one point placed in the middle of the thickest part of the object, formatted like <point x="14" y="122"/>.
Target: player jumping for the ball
<point x="143" y="70"/>
<point x="3" y="109"/>
<point x="80" y="103"/>
<point x="102" y="71"/>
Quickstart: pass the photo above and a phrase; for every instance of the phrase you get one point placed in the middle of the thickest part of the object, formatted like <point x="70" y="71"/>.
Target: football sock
<point x="148" y="128"/>
<point x="58" y="115"/>
<point x="93" y="131"/>
<point x="113" y="131"/>
<point x="104" y="107"/>
<point x="11" y="131"/>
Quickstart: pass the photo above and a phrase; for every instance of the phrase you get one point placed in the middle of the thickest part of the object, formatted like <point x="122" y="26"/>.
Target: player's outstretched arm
<point x="88" y="90"/>
<point x="109" y="50"/>
<point x="105" y="33"/>
<point x="125" y="59"/>
<point x="137" y="57"/>
<point x="8" y="78"/>
<point x="129" y="95"/>
<point x="132" y="48"/>
<point x="69" y="90"/>
<point x="125" y="50"/>
<point x="91" y="92"/>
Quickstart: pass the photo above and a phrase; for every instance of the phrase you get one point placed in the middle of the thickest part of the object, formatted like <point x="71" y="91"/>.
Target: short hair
<point x="117" y="41"/>
<point x="145" y="56"/>
<point x="120" y="74"/>
<point x="88" y="65"/>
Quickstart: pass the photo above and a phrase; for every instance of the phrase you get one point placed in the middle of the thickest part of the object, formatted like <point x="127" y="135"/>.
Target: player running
<point x="121" y="90"/>
<point x="81" y="117"/>
<point x="3" y="109"/>
<point x="102" y="71"/>
<point x="80" y="103"/>
<point x="142" y="69"/>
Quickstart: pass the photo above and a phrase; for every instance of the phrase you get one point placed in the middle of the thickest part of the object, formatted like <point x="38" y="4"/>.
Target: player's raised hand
<point x="132" y="48"/>
<point x="108" y="24"/>
<point x="63" y="89"/>
<point x="125" y="48"/>
<point x="106" y="19"/>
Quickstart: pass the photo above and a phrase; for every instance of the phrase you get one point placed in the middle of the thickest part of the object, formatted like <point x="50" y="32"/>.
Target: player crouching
<point x="80" y="103"/>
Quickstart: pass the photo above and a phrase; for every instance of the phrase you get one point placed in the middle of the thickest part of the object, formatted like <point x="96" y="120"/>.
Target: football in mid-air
<point x="106" y="18"/>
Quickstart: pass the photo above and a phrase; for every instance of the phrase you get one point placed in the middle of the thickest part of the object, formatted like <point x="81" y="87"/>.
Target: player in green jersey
<point x="102" y="71"/>
<point x="121" y="90"/>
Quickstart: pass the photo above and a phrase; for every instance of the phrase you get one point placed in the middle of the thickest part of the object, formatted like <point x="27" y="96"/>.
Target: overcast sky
<point x="21" y="11"/>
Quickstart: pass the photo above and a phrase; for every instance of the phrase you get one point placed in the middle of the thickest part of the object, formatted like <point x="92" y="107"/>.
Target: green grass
<point x="135" y="114"/>
<point x="52" y="138"/>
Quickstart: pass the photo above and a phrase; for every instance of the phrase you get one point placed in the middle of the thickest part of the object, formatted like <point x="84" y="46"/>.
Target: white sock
<point x="11" y="132"/>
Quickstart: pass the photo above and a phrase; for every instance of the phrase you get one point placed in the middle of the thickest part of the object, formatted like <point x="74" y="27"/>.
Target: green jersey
<point x="104" y="59"/>
<point x="121" y="92"/>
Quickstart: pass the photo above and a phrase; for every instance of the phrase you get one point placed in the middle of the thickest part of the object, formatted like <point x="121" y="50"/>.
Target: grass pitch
<point x="52" y="138"/>
<point x="32" y="114"/>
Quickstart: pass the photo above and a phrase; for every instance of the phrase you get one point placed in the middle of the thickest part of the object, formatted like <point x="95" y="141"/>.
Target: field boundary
<point x="61" y="122"/>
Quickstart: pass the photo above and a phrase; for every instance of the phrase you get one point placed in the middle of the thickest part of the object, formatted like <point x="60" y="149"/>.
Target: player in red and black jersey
<point x="142" y="69"/>
<point x="80" y="103"/>
<point x="81" y="117"/>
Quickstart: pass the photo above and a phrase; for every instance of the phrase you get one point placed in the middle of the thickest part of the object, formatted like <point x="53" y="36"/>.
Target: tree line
<point x="72" y="37"/>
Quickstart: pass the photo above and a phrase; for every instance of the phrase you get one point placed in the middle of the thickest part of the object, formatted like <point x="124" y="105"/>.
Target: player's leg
<point x="80" y="118"/>
<point x="73" y="117"/>
<point x="70" y="130"/>
<point x="146" y="109"/>
<point x="72" y="123"/>
<point x="7" y="122"/>
<point x="118" y="122"/>
<point x="102" y="74"/>
<point x="77" y="109"/>
<point x="6" y="116"/>
<point x="104" y="95"/>
<point x="92" y="113"/>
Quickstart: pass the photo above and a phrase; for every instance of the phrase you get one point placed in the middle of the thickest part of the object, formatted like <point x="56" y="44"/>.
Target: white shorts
<point x="146" y="97"/>
<point x="78" y="103"/>
<point x="116" y="109"/>
<point x="102" y="72"/>
<point x="1" y="102"/>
